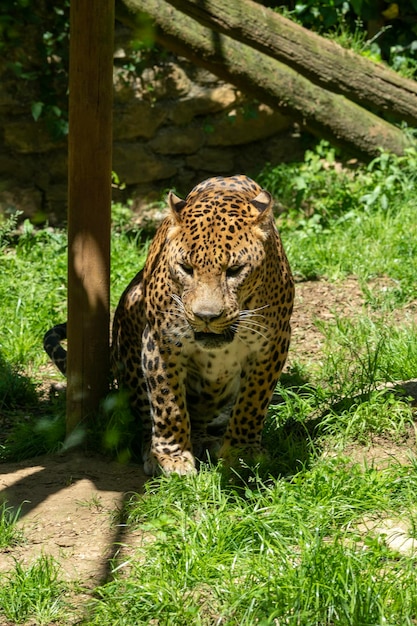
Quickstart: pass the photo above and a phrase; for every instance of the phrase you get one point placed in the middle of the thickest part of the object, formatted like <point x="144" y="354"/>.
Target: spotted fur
<point x="201" y="334"/>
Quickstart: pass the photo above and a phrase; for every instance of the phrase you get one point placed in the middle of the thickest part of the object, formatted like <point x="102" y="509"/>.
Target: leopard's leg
<point x="244" y="431"/>
<point x="170" y="448"/>
<point x="126" y="354"/>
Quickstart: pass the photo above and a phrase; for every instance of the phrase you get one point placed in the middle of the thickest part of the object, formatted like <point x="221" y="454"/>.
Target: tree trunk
<point x="324" y="62"/>
<point x="325" y="114"/>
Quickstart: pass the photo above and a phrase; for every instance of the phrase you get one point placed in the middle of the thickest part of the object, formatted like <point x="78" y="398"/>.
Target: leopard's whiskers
<point x="249" y="319"/>
<point x="250" y="328"/>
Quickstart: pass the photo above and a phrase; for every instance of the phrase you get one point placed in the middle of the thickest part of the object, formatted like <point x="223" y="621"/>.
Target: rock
<point x="134" y="163"/>
<point x="167" y="81"/>
<point x="137" y="119"/>
<point x="201" y="101"/>
<point x="27" y="200"/>
<point x="26" y="136"/>
<point x="158" y="82"/>
<point x="172" y="121"/>
<point x="178" y="140"/>
<point x="245" y="124"/>
<point x="216" y="160"/>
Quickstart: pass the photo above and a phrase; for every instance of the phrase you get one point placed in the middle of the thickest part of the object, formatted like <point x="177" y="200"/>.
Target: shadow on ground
<point x="69" y="506"/>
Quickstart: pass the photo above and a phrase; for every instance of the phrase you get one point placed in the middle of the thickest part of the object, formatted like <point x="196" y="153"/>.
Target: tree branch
<point x="325" y="114"/>
<point x="324" y="62"/>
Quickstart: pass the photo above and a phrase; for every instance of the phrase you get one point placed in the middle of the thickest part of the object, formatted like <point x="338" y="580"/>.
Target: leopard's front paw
<point x="157" y="463"/>
<point x="181" y="464"/>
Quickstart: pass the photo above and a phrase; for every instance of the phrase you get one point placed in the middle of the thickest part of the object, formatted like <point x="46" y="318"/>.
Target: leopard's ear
<point x="175" y="204"/>
<point x="262" y="202"/>
<point x="264" y="219"/>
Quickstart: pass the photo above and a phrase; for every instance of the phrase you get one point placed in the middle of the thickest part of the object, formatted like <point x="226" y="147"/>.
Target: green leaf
<point x="37" y="108"/>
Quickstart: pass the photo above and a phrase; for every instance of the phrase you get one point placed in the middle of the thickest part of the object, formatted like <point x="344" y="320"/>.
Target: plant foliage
<point x="378" y="30"/>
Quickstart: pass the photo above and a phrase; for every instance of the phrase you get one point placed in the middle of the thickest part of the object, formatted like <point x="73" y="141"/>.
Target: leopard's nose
<point x="208" y="314"/>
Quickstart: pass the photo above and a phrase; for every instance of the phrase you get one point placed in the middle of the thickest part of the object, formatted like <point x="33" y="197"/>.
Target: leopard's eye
<point x="234" y="270"/>
<point x="187" y="269"/>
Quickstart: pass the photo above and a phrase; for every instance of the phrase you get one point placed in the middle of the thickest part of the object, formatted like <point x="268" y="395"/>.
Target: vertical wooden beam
<point x="89" y="205"/>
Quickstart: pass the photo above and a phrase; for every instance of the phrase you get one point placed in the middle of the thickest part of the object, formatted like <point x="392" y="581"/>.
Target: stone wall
<point x="174" y="124"/>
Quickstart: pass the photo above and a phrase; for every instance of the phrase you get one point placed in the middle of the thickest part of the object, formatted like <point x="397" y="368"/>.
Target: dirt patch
<point x="394" y="532"/>
<point x="68" y="502"/>
<point x="320" y="301"/>
<point x="68" y="506"/>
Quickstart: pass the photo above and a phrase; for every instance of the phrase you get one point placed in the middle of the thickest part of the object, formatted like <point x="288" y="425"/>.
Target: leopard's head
<point x="216" y="254"/>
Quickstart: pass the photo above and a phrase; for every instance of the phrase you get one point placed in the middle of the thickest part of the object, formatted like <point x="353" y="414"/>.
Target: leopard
<point x="201" y="334"/>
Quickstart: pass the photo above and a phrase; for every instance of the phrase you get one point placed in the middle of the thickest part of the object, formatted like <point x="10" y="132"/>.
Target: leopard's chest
<point x="213" y="380"/>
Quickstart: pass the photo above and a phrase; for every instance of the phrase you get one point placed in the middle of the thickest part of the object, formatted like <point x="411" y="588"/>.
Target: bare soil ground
<point x="69" y="511"/>
<point x="68" y="501"/>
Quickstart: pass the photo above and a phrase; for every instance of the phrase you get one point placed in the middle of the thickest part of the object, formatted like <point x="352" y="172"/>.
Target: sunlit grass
<point x="367" y="245"/>
<point x="10" y="534"/>
<point x="255" y="553"/>
<point x="33" y="594"/>
<point x="33" y="292"/>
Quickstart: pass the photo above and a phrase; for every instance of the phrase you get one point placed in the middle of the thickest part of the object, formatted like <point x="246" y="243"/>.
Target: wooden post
<point x="89" y="205"/>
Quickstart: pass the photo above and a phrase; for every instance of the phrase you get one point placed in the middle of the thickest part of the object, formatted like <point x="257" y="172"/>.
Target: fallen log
<point x="324" y="62"/>
<point x="327" y="115"/>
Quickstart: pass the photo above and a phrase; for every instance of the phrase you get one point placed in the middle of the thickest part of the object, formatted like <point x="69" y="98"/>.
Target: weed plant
<point x="34" y="594"/>
<point x="10" y="535"/>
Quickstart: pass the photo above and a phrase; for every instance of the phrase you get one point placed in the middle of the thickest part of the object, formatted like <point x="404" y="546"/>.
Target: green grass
<point x="34" y="594"/>
<point x="33" y="266"/>
<point x="33" y="287"/>
<point x="283" y="543"/>
<point x="10" y="535"/>
<point x="285" y="552"/>
<point x="328" y="209"/>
